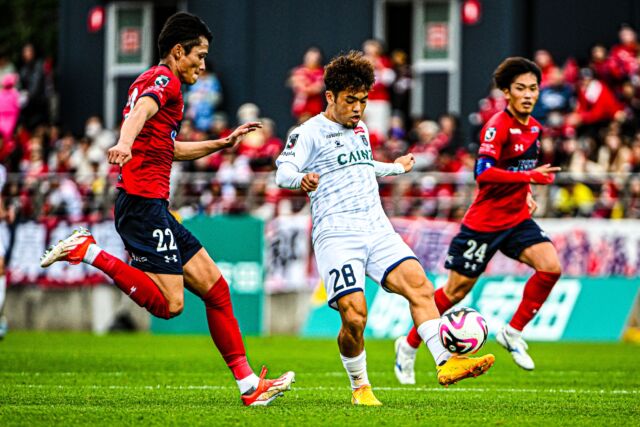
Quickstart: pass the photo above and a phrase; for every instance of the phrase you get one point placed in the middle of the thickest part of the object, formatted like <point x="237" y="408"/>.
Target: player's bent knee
<point x="176" y="307"/>
<point x="554" y="268"/>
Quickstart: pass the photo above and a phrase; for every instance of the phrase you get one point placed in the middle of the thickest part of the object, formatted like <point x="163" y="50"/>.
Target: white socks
<point x="248" y="383"/>
<point x="356" y="368"/>
<point x="428" y="331"/>
<point x="406" y="348"/>
<point x="92" y="253"/>
<point x="514" y="333"/>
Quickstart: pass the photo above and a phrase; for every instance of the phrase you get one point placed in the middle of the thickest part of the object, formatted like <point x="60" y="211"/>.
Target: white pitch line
<point x="322" y="388"/>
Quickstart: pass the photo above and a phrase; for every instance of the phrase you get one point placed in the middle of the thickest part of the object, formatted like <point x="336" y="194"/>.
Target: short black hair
<point x="182" y="28"/>
<point x="511" y="68"/>
<point x="349" y="71"/>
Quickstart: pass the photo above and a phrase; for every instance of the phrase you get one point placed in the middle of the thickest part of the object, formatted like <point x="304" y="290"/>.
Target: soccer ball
<point x="463" y="330"/>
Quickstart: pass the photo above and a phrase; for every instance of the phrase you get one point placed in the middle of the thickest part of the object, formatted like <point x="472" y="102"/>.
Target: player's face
<point x="190" y="66"/>
<point x="348" y="107"/>
<point x="523" y="94"/>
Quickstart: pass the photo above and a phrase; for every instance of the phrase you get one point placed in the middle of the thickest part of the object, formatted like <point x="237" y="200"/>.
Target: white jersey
<point x="347" y="197"/>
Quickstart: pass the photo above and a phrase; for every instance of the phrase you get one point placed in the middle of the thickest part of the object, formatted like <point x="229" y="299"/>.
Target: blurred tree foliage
<point x="23" y="21"/>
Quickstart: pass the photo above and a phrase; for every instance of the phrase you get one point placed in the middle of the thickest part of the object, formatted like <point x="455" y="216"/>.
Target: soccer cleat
<point x="518" y="349"/>
<point x="268" y="390"/>
<point x="364" y="396"/>
<point x="460" y="367"/>
<point x="71" y="249"/>
<point x="404" y="363"/>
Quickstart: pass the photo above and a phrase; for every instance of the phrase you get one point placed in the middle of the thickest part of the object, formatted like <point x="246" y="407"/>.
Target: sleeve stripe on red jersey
<point x="154" y="96"/>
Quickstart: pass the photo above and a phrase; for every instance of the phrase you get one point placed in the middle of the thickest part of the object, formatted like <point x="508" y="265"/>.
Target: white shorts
<point x="344" y="258"/>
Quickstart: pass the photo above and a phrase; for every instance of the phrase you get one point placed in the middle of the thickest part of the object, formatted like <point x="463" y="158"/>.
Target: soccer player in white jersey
<point x="329" y="157"/>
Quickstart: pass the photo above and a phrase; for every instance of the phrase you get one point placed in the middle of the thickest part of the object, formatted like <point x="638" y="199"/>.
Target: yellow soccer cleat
<point x="460" y="367"/>
<point x="364" y="396"/>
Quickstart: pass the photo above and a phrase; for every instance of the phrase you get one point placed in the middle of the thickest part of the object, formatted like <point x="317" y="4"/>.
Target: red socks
<point x="443" y="304"/>
<point x="224" y="329"/>
<point x="134" y="283"/>
<point x="535" y="294"/>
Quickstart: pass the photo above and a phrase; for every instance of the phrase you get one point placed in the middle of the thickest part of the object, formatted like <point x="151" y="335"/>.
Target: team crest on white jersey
<point x="490" y="134"/>
<point x="293" y="138"/>
<point x="364" y="140"/>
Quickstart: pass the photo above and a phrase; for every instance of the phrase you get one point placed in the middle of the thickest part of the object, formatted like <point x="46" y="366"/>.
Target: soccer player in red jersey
<point x="500" y="216"/>
<point x="165" y="255"/>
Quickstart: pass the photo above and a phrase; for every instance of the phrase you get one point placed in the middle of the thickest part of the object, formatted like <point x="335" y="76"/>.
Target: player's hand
<point x="531" y="204"/>
<point x="237" y="135"/>
<point x="119" y="154"/>
<point x="310" y="182"/>
<point x="407" y="161"/>
<point x="544" y="174"/>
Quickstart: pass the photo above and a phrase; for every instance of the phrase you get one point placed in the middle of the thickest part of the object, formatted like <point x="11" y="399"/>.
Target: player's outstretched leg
<point x="80" y="246"/>
<point x="226" y="335"/>
<point x="407" y="347"/>
<point x="535" y="293"/>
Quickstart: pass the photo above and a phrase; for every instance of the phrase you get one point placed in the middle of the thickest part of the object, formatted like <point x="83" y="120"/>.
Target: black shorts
<point x="470" y="251"/>
<point x="155" y="240"/>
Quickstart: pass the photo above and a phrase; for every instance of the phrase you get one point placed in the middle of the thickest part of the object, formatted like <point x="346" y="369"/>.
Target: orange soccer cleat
<point x="72" y="249"/>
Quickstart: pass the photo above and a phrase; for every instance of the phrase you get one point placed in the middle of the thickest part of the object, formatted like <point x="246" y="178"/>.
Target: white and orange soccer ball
<point x="463" y="330"/>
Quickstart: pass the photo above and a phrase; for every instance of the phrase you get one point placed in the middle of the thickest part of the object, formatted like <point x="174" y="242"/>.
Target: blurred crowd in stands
<point x="590" y="110"/>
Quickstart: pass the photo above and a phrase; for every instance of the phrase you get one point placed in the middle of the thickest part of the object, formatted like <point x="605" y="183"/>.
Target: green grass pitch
<point x="67" y="379"/>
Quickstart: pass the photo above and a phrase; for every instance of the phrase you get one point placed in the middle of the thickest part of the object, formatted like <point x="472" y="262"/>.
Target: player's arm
<point x="192" y="150"/>
<point x="296" y="157"/>
<point x="143" y="110"/>
<point x="487" y="172"/>
<point x="400" y="165"/>
<point x="287" y="176"/>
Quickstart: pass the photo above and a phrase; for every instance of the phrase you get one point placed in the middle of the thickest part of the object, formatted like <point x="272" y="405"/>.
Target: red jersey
<point x="515" y="147"/>
<point x="147" y="174"/>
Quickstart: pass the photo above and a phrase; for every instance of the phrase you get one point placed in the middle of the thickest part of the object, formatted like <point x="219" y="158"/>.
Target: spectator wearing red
<point x="600" y="64"/>
<point x="545" y="61"/>
<point x="487" y="108"/>
<point x="307" y="83"/>
<point x="596" y="106"/>
<point x="624" y="55"/>
<point x="262" y="148"/>
<point x="378" y="115"/>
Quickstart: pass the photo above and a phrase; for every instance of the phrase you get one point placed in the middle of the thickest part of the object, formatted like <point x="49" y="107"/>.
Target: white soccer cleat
<point x="405" y="361"/>
<point x="71" y="249"/>
<point x="518" y="349"/>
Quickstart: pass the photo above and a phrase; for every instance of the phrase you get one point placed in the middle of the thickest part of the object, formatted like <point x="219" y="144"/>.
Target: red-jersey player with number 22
<point x="165" y="255"/>
<point x="500" y="216"/>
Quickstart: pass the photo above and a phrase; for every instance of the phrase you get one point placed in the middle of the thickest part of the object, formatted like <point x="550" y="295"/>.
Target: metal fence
<point x="431" y="194"/>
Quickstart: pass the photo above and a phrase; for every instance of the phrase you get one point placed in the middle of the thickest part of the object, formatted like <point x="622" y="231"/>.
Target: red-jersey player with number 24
<point x="500" y="216"/>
